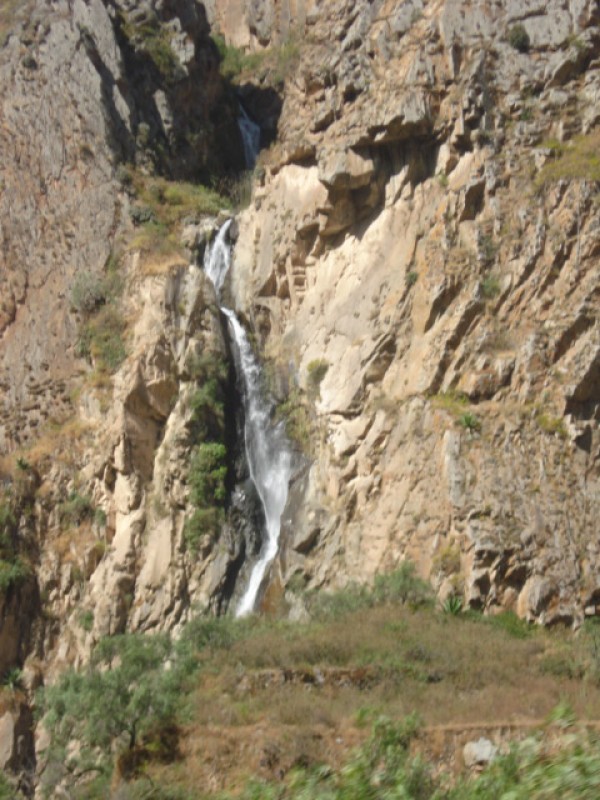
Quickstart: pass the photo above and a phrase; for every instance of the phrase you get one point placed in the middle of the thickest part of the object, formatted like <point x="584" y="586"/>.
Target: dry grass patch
<point x="578" y="159"/>
<point x="449" y="669"/>
<point x="64" y="442"/>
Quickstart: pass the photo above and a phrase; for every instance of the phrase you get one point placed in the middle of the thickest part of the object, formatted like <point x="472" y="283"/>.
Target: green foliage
<point x="7" y="789"/>
<point x="7" y="520"/>
<point x="209" y="370"/>
<point x="297" y="421"/>
<point x="272" y="66"/>
<point x="532" y="772"/>
<point x="86" y="620"/>
<point x="316" y="371"/>
<point x="13" y="679"/>
<point x="170" y="202"/>
<point x="411" y="278"/>
<point x="100" y="336"/>
<point x="75" y="509"/>
<point x="207" y="476"/>
<point x="469" y="422"/>
<point x="402" y="587"/>
<point x="126" y="690"/>
<point x="154" y="39"/>
<point x="577" y="160"/>
<point x="100" y="517"/>
<point x="102" y="339"/>
<point x="490" y="287"/>
<point x="88" y="291"/>
<point x="551" y="424"/>
<point x="207" y="479"/>
<point x="509" y="622"/>
<point x="452" y="401"/>
<point x="453" y="605"/>
<point x="519" y="38"/>
<point x="13" y="570"/>
<point x="12" y="573"/>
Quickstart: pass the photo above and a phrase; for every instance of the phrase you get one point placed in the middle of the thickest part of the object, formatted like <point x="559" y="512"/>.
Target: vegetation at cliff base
<point x="381" y="657"/>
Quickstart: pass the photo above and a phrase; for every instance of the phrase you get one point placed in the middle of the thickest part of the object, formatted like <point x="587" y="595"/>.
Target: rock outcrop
<point x="411" y="237"/>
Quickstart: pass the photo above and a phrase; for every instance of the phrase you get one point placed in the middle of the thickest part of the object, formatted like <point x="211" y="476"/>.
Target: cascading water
<point x="267" y="450"/>
<point x="250" y="133"/>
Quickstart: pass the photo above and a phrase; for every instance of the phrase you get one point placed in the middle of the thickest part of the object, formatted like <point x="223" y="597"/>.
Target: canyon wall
<point x="418" y="265"/>
<point x="425" y="265"/>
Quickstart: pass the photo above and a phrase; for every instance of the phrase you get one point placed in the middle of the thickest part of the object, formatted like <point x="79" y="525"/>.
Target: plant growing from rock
<point x="316" y="371"/>
<point x="469" y="422"/>
<point x="519" y="38"/>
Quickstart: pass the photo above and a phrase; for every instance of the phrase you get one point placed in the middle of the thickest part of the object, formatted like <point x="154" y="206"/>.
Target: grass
<point x="316" y="371"/>
<point x="576" y="160"/>
<point x="172" y="201"/>
<point x="387" y="658"/>
<point x="551" y="424"/>
<point x="364" y="652"/>
<point x="490" y="287"/>
<point x="296" y="416"/>
<point x="272" y="65"/>
<point x="154" y="39"/>
<point x="453" y="402"/>
<point x="160" y="210"/>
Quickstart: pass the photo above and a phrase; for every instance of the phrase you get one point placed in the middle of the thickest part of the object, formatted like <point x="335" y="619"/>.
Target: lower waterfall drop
<point x="267" y="450"/>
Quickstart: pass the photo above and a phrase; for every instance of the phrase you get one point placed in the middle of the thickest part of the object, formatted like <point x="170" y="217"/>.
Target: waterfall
<point x="250" y="132"/>
<point x="267" y="450"/>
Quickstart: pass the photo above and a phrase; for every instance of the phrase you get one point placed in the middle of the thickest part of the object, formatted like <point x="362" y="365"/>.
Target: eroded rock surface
<point x="405" y="237"/>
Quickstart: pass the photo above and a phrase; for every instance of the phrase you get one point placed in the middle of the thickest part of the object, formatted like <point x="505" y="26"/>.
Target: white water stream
<point x="250" y="132"/>
<point x="267" y="451"/>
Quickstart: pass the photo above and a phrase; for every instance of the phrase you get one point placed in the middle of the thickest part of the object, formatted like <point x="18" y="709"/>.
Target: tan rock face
<point x="80" y="94"/>
<point x="453" y="305"/>
<point x="428" y="304"/>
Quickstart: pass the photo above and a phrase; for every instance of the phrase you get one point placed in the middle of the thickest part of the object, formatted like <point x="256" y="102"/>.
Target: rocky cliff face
<point x="425" y="259"/>
<point x="419" y="264"/>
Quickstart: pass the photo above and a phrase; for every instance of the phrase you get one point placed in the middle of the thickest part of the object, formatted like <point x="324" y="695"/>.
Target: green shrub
<point x="316" y="371"/>
<point x="469" y="422"/>
<point x="13" y="679"/>
<point x="490" y="287"/>
<point x="154" y="39"/>
<point x="88" y="291"/>
<point x="207" y="479"/>
<point x="8" y="790"/>
<point x="519" y="38"/>
<point x="509" y="622"/>
<point x="207" y="474"/>
<point x="453" y="605"/>
<point x="102" y="339"/>
<point x="86" y="620"/>
<point x="296" y="417"/>
<point x="12" y="573"/>
<point x="402" y="586"/>
<point x="75" y="509"/>
<point x="124" y="692"/>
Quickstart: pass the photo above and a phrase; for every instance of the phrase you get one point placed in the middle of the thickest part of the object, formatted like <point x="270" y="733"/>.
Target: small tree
<point x="126" y="692"/>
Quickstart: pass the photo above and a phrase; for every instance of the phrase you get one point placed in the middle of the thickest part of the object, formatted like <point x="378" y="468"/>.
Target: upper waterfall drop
<point x="267" y="450"/>
<point x="250" y="133"/>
